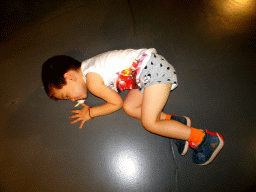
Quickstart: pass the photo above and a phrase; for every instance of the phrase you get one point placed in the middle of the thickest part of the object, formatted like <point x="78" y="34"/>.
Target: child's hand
<point x="82" y="115"/>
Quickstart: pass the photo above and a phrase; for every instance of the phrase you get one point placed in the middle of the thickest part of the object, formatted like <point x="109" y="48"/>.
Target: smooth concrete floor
<point x="211" y="44"/>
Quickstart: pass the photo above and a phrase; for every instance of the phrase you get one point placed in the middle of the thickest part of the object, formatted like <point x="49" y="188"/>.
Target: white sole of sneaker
<point x="186" y="147"/>
<point x="216" y="152"/>
<point x="188" y="121"/>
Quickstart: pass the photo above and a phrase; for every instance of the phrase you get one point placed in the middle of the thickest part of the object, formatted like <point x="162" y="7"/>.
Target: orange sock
<point x="196" y="136"/>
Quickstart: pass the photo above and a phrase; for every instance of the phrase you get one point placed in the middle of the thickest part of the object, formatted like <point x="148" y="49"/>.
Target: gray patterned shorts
<point x="156" y="71"/>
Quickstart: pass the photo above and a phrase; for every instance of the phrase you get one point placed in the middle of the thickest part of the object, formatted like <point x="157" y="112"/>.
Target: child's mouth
<point x="80" y="99"/>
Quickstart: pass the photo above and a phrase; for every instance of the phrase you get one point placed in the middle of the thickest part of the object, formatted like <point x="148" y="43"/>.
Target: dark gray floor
<point x="210" y="43"/>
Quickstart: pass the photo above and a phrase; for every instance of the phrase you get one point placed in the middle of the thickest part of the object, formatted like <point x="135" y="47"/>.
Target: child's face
<point x="75" y="89"/>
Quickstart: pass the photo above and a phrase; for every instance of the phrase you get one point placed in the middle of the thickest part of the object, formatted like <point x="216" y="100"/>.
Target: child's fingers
<point x="82" y="124"/>
<point x="75" y="121"/>
<point x="75" y="111"/>
<point x="74" y="116"/>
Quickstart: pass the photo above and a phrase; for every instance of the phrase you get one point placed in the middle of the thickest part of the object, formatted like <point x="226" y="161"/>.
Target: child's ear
<point x="70" y="76"/>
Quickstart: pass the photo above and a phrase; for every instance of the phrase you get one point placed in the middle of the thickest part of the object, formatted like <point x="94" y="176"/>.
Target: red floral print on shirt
<point x="127" y="78"/>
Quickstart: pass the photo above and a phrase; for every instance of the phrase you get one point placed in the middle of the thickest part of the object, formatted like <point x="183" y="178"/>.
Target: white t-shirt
<point x="120" y="69"/>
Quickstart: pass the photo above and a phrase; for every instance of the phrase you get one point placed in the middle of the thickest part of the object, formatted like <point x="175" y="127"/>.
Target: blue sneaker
<point x="182" y="145"/>
<point x="208" y="149"/>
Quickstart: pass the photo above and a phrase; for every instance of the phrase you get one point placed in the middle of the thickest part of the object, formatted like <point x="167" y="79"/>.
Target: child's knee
<point x="127" y="108"/>
<point x="147" y="126"/>
<point x="150" y="124"/>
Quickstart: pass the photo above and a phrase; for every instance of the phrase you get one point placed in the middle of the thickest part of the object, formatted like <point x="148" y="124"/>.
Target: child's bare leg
<point x="133" y="103"/>
<point x="154" y="99"/>
<point x="150" y="110"/>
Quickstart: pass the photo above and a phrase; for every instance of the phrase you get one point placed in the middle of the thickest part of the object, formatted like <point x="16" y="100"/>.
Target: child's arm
<point x="95" y="85"/>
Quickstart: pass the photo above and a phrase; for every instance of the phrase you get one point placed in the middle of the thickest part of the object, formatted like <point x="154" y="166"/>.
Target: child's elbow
<point x="120" y="104"/>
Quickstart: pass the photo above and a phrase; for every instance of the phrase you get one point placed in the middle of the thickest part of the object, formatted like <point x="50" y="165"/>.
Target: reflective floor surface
<point x="211" y="44"/>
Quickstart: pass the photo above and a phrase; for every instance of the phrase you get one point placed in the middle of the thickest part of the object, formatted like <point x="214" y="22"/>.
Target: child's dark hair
<point x="53" y="71"/>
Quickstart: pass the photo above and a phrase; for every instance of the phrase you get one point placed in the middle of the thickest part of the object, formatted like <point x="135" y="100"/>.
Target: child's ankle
<point x="196" y="137"/>
<point x="165" y="116"/>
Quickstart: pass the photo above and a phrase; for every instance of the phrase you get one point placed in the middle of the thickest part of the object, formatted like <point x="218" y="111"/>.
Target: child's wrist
<point x="90" y="112"/>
